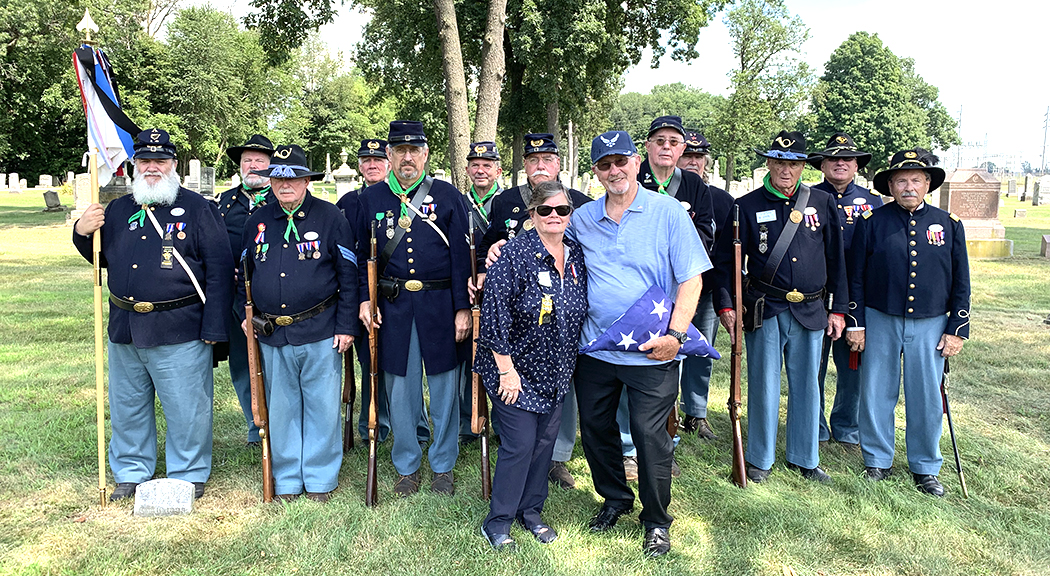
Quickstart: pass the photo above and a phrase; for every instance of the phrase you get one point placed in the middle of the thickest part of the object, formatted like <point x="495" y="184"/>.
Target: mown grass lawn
<point x="50" y="522"/>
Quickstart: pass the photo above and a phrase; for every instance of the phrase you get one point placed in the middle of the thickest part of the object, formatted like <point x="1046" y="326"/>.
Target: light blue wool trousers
<point x="696" y="371"/>
<point x="843" y="418"/>
<point x="782" y="338"/>
<point x="303" y="396"/>
<point x="887" y="340"/>
<point x="405" y="394"/>
<point x="181" y="376"/>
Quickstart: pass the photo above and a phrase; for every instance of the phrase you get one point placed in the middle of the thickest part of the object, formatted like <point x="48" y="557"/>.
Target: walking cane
<point x="951" y="429"/>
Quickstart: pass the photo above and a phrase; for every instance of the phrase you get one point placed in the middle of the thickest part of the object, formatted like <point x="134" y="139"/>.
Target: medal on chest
<point x="812" y="219"/>
<point x="763" y="239"/>
<point x="528" y="225"/>
<point x="935" y="234"/>
<point x="546" y="309"/>
<point x="795" y="216"/>
<point x="389" y="224"/>
<point x="181" y="227"/>
<point x="167" y="248"/>
<point x="511" y="225"/>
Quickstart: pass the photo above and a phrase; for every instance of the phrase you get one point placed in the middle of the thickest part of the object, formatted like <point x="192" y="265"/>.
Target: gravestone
<point x="328" y="177"/>
<point x="1011" y="187"/>
<point x="164" y="497"/>
<point x="1027" y="187"/>
<point x="117" y="187"/>
<point x="1036" y="192"/>
<point x="716" y="179"/>
<point x="1043" y="246"/>
<point x="23" y="184"/>
<point x="45" y="181"/>
<point x="69" y="177"/>
<point x="973" y="196"/>
<point x="585" y="183"/>
<point x="735" y="189"/>
<point x="3" y="180"/>
<point x="12" y="183"/>
<point x="759" y="173"/>
<point x="193" y="179"/>
<point x="439" y="174"/>
<point x="1042" y="194"/>
<point x="862" y="181"/>
<point x="81" y="196"/>
<point x="343" y="176"/>
<point x="52" y="203"/>
<point x="207" y="181"/>
<point x="1020" y="213"/>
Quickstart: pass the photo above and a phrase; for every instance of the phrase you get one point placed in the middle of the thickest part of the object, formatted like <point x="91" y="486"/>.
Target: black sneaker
<point x="123" y="490"/>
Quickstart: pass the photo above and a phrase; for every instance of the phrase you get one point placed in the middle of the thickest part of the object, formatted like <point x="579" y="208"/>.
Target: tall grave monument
<point x="973" y="196"/>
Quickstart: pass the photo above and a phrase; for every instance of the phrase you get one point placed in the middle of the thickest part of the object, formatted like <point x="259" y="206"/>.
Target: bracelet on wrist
<point x="504" y="373"/>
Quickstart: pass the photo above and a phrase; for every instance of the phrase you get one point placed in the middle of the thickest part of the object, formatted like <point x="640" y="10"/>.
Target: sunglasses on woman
<point x="545" y="210"/>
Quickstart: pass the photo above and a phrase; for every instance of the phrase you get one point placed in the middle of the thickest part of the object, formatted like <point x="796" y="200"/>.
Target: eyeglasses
<point x="544" y="210"/>
<point x="605" y="165"/>
<point x="660" y="141"/>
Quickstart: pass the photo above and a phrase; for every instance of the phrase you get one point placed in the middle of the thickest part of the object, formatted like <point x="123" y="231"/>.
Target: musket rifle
<point x="951" y="429"/>
<point x="739" y="476"/>
<point x="479" y="406"/>
<point x="371" y="480"/>
<point x="258" y="388"/>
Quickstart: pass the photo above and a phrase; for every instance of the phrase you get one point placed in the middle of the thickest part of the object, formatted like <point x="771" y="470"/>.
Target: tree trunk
<point x="455" y="91"/>
<point x="518" y="163"/>
<point x="730" y="168"/>
<point x="493" y="69"/>
<point x="553" y="125"/>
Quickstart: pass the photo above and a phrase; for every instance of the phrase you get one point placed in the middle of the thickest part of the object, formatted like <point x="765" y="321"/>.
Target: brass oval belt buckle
<point x="143" y="307"/>
<point x="413" y="285"/>
<point x="283" y="320"/>
<point x="794" y="297"/>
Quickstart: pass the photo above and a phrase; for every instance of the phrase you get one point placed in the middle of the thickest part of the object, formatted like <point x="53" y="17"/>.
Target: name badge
<point x="766" y="216"/>
<point x="545" y="279"/>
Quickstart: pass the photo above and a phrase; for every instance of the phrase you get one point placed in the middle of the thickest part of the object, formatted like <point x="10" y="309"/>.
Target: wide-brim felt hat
<point x="153" y="144"/>
<point x="840" y="145"/>
<point x="288" y="162"/>
<point x="257" y="142"/>
<point x="786" y="146"/>
<point x="914" y="159"/>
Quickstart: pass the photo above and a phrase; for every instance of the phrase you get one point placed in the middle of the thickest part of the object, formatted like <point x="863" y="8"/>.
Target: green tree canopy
<point x="634" y="112"/>
<point x="879" y="100"/>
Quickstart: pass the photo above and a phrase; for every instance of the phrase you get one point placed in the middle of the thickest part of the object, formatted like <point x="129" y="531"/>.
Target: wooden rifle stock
<point x="739" y="476"/>
<point x="349" y="393"/>
<point x="371" y="480"/>
<point x="479" y="406"/>
<point x="258" y="388"/>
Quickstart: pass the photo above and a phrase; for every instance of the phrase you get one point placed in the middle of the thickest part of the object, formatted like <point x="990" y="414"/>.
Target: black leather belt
<point x="288" y="320"/>
<point x="391" y="287"/>
<point x="144" y="307"/>
<point x="793" y="296"/>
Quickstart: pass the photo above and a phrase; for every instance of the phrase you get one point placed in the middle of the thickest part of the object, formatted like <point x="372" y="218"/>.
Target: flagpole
<point x="86" y="25"/>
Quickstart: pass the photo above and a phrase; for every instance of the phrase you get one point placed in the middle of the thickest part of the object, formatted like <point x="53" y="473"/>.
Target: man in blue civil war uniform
<point x="696" y="370"/>
<point x="424" y="310"/>
<point x="910" y="308"/>
<point x="170" y="275"/>
<point x="839" y="161"/>
<point x="235" y="205"/>
<point x="660" y="173"/>
<point x="299" y="255"/>
<point x="508" y="217"/>
<point x="374" y="167"/>
<point x="792" y="245"/>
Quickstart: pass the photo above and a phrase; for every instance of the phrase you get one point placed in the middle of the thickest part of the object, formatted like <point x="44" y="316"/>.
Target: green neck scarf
<point x="401" y="193"/>
<point x="661" y="187"/>
<point x="291" y="222"/>
<point x="140" y="216"/>
<point x="778" y="193"/>
<point x="481" y="201"/>
<point x="257" y="197"/>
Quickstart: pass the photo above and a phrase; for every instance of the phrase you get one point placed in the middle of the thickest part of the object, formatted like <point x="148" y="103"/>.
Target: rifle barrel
<point x="371" y="480"/>
<point x="739" y="475"/>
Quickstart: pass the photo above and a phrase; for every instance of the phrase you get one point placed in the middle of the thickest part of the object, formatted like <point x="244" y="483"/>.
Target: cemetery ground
<point x="50" y="522"/>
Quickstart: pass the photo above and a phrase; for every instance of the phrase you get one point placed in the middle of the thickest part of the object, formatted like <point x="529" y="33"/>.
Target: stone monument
<point x="164" y="497"/>
<point x="973" y="196"/>
<point x="12" y="183"/>
<point x="45" y="181"/>
<point x="759" y="173"/>
<point x="81" y="196"/>
<point x="1011" y="187"/>
<point x="207" y="187"/>
<point x="117" y="187"/>
<point x="343" y="176"/>
<point x="52" y="203"/>
<point x="193" y="179"/>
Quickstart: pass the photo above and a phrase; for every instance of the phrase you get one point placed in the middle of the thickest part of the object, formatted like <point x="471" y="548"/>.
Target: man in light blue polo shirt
<point x="632" y="239"/>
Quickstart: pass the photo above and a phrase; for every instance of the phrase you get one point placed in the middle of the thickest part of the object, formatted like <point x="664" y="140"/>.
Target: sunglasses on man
<point x="545" y="210"/>
<point x="604" y="165"/>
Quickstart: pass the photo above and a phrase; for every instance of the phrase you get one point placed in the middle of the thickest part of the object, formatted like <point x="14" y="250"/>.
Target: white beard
<point x="254" y="181"/>
<point x="163" y="192"/>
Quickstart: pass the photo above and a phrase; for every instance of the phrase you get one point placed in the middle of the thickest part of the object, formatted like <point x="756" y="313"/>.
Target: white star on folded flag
<point x="627" y="340"/>
<point x="659" y="309"/>
<point x="652" y="336"/>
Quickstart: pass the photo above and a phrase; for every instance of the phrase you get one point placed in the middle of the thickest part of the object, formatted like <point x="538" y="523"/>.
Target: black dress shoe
<point x="877" y="474"/>
<point x="407" y="485"/>
<point x="502" y="542"/>
<point x="319" y="497"/>
<point x="657" y="542"/>
<point x="755" y="474"/>
<point x="815" y="474"/>
<point x="544" y="534"/>
<point x="198" y="490"/>
<point x="928" y="483"/>
<point x="123" y="490"/>
<point x="606" y="518"/>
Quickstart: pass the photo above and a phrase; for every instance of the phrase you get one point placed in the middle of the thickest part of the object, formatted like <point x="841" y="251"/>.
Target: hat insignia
<point x="154" y="136"/>
<point x="283" y="154"/>
<point x="536" y="143"/>
<point x="481" y="149"/>
<point x="784" y="142"/>
<point x="910" y="154"/>
<point x="372" y="145"/>
<point x="610" y="142"/>
<point x="840" y="139"/>
<point x="693" y="142"/>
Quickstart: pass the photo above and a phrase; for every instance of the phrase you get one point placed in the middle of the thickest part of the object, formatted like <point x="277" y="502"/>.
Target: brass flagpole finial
<point x="87" y="26"/>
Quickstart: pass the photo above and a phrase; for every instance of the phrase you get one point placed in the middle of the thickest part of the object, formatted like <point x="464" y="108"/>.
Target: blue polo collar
<point x="641" y="199"/>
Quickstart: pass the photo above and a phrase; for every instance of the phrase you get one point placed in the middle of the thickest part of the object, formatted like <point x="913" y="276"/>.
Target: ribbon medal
<point x="261" y="236"/>
<point x="812" y="219"/>
<point x="181" y="226"/>
<point x="168" y="229"/>
<point x="935" y="234"/>
<point x="763" y="239"/>
<point x="260" y="251"/>
<point x="849" y="213"/>
<point x="389" y="224"/>
<point x="511" y="225"/>
<point x="316" y="246"/>
<point x="546" y="309"/>
<point x="302" y="249"/>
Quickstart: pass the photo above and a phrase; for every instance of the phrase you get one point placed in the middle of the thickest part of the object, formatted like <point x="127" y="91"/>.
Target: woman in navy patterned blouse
<point x="533" y="311"/>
